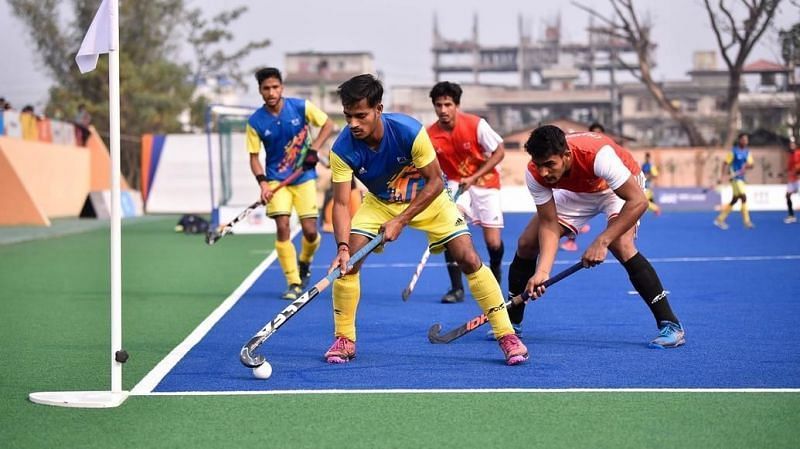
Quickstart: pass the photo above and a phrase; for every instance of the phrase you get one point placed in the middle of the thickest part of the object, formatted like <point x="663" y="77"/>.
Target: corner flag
<point x="98" y="37"/>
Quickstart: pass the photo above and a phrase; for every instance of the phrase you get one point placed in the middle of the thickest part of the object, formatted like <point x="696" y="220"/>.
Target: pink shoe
<point x="341" y="351"/>
<point x="585" y="228"/>
<point x="513" y="348"/>
<point x="569" y="245"/>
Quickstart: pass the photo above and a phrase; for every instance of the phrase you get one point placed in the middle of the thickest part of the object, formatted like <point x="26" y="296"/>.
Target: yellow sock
<point x="346" y="292"/>
<point x="287" y="257"/>
<point x="745" y="214"/>
<point x="723" y="214"/>
<point x="307" y="249"/>
<point x="486" y="291"/>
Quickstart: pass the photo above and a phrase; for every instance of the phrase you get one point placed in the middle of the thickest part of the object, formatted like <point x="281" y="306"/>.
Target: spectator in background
<point x="29" y="124"/>
<point x="82" y="121"/>
<point x="793" y="183"/>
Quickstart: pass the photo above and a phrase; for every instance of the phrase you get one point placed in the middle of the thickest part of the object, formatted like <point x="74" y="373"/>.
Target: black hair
<point x="268" y="72"/>
<point x="546" y="141"/>
<point x="360" y="87"/>
<point x="742" y="134"/>
<point x="446" y="89"/>
<point x="597" y="126"/>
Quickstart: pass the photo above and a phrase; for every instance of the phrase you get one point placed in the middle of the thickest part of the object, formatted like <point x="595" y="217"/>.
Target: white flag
<point x="98" y="38"/>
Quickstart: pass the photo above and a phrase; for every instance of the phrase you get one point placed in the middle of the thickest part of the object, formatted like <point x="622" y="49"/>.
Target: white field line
<point x="473" y="391"/>
<point x="610" y="260"/>
<point x="152" y="379"/>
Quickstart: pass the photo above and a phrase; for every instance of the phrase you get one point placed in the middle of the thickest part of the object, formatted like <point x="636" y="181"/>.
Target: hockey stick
<point x="424" y="260"/>
<point x="247" y="354"/>
<point x="213" y="236"/>
<point x="436" y="338"/>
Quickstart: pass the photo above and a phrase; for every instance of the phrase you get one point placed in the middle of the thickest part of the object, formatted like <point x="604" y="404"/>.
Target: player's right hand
<point x="341" y="261"/>
<point x="535" y="287"/>
<point x="266" y="193"/>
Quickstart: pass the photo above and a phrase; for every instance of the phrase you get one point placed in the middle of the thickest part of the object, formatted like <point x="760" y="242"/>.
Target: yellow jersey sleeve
<point x="750" y="160"/>
<point x="729" y="157"/>
<point x="653" y="170"/>
<point x="422" y="151"/>
<point x="314" y="115"/>
<point x="252" y="140"/>
<point x="340" y="171"/>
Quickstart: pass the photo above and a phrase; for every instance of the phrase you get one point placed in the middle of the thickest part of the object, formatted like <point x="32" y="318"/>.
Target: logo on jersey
<point x="459" y="221"/>
<point x="267" y="133"/>
<point x="402" y="160"/>
<point x="467" y="145"/>
<point x="295" y="121"/>
<point x="362" y="170"/>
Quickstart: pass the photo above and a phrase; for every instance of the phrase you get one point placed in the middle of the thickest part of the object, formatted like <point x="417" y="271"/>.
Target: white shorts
<point x="793" y="187"/>
<point x="480" y="205"/>
<point x="576" y="209"/>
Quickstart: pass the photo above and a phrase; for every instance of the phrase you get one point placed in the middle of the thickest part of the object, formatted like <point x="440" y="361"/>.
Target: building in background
<point x="316" y="76"/>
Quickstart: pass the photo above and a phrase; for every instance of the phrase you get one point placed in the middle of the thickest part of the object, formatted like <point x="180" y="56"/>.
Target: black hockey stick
<point x="436" y="338"/>
<point x="212" y="236"/>
<point x="247" y="354"/>
<point x="423" y="261"/>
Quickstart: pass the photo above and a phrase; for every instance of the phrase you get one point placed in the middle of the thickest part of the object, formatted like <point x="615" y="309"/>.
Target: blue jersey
<point x="389" y="171"/>
<point x="737" y="159"/>
<point x="285" y="137"/>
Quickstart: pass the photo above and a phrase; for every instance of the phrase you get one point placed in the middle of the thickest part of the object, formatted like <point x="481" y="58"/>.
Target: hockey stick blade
<point x="436" y="338"/>
<point x="248" y="355"/>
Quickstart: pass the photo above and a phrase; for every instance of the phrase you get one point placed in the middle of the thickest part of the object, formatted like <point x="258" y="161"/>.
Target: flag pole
<point x="103" y="37"/>
<point x="118" y="356"/>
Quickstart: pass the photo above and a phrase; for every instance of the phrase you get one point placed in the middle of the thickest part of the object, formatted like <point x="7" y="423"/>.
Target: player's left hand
<point x="594" y="255"/>
<point x="311" y="159"/>
<point x="466" y="183"/>
<point x="391" y="229"/>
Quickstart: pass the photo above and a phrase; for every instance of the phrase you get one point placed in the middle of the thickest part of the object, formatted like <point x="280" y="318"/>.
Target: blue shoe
<point x="670" y="335"/>
<point x="517" y="330"/>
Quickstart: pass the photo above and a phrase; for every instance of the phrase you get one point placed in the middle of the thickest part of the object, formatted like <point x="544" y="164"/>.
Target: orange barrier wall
<point x="34" y="176"/>
<point x="101" y="164"/>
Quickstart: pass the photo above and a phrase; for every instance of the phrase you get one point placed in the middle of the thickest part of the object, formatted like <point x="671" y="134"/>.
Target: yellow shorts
<point x="738" y="187"/>
<point x="302" y="196"/>
<point x="441" y="221"/>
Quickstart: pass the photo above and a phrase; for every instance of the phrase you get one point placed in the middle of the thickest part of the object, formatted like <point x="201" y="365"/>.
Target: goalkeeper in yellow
<point x="392" y="155"/>
<point x="281" y="125"/>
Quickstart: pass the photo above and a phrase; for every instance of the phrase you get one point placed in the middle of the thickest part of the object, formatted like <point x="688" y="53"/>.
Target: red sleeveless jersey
<point x="581" y="177"/>
<point x="459" y="152"/>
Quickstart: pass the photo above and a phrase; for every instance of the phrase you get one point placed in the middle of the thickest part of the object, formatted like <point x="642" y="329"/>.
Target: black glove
<point x="311" y="159"/>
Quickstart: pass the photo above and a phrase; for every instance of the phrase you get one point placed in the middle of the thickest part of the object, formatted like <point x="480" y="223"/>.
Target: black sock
<point x="496" y="261"/>
<point x="789" y="205"/>
<point x="453" y="271"/>
<point x="519" y="272"/>
<point x="646" y="282"/>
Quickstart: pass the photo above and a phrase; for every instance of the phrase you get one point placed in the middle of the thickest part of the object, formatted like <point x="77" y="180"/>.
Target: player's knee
<point x="469" y="262"/>
<point x="527" y="247"/>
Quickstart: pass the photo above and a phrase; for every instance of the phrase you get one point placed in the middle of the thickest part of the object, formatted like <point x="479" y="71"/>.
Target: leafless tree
<point x="627" y="25"/>
<point x="736" y="38"/>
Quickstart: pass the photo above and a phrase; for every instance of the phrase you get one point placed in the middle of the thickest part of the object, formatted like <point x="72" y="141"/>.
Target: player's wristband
<point x="261" y="178"/>
<point x="345" y="244"/>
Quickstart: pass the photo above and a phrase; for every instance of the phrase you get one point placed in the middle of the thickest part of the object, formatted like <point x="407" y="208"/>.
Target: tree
<point x="629" y="27"/>
<point x="790" y="51"/>
<point x="155" y="86"/>
<point x="736" y="39"/>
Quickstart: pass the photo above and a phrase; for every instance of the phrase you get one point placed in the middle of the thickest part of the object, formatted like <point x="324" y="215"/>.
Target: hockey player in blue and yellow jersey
<point x="736" y="163"/>
<point x="282" y="127"/>
<point x="393" y="156"/>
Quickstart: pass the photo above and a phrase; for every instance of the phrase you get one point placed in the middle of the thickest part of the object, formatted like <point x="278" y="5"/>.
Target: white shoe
<point x="790" y="219"/>
<point x="721" y="224"/>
